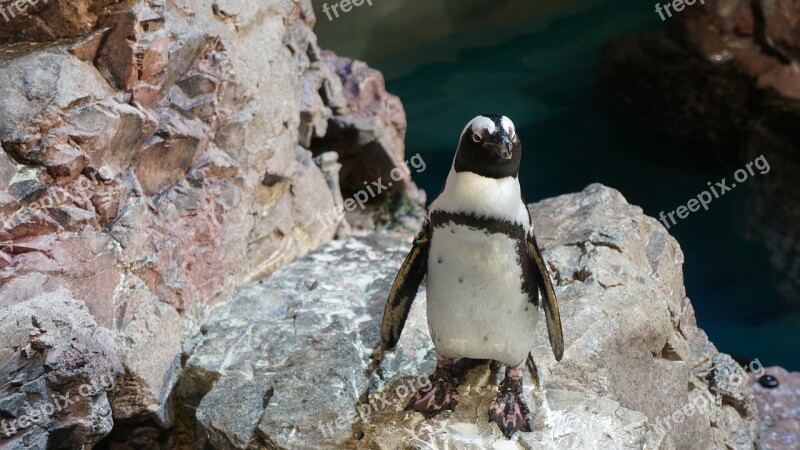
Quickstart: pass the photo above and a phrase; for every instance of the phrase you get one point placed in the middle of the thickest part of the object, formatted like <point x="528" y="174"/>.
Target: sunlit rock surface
<point x="284" y="364"/>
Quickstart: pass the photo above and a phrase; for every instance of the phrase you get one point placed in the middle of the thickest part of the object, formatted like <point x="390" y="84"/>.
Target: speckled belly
<point x="476" y="306"/>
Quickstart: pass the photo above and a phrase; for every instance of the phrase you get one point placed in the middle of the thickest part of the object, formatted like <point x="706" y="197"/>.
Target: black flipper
<point x="549" y="300"/>
<point x="404" y="289"/>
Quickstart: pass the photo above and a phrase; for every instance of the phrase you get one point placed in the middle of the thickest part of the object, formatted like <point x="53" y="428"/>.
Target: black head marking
<point x="490" y="147"/>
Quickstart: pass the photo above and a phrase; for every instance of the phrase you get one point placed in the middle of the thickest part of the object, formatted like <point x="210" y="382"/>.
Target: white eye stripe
<point x="508" y="125"/>
<point x="484" y="126"/>
<point x="480" y="124"/>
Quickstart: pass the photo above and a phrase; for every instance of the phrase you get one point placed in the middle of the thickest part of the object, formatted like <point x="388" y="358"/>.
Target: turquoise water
<point x="541" y="72"/>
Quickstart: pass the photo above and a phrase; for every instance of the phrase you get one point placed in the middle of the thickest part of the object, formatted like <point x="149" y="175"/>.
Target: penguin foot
<point x="508" y="409"/>
<point x="440" y="394"/>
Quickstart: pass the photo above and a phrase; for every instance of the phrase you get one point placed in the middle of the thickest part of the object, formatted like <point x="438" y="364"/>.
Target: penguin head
<point x="489" y="146"/>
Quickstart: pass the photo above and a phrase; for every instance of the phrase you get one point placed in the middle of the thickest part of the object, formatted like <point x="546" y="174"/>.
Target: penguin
<point x="486" y="277"/>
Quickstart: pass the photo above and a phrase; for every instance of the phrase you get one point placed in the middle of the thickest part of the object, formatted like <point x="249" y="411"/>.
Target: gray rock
<point x="8" y="168"/>
<point x="272" y="340"/>
<point x="150" y="335"/>
<point x="637" y="372"/>
<point x="58" y="369"/>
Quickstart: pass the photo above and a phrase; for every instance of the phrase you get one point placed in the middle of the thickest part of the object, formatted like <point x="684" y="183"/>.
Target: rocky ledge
<point x="285" y="362"/>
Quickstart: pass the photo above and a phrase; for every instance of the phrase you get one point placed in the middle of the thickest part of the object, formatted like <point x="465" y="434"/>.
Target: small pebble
<point x="768" y="381"/>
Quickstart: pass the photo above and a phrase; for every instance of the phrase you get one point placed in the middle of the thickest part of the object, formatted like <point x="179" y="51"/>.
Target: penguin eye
<point x="476" y="137"/>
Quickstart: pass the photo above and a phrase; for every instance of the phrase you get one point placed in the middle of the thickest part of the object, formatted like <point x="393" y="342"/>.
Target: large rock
<point x="58" y="369"/>
<point x="293" y="350"/>
<point x="366" y="128"/>
<point x="370" y="133"/>
<point x="725" y="73"/>
<point x="156" y="156"/>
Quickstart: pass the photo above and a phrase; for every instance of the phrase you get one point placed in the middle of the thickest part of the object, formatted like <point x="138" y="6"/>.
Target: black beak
<point x="501" y="146"/>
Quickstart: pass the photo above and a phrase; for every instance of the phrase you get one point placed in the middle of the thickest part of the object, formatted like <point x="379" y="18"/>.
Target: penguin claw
<point x="441" y="395"/>
<point x="510" y="413"/>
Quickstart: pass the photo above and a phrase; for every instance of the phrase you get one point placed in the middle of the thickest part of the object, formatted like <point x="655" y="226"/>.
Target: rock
<point x="289" y="337"/>
<point x="44" y="20"/>
<point x="369" y="133"/>
<point x="321" y="91"/>
<point x="58" y="368"/>
<point x="166" y="159"/>
<point x="346" y="110"/>
<point x="8" y="169"/>
<point x="156" y="156"/>
<point x="84" y="263"/>
<point x="779" y="409"/>
<point x="150" y="333"/>
<point x="301" y="341"/>
<point x="726" y="74"/>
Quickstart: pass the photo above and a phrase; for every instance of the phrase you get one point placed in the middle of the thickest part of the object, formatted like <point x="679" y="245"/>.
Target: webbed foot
<point x="440" y="394"/>
<point x="508" y="409"/>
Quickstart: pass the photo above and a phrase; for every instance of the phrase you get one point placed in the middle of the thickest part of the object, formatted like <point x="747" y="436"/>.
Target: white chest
<point x="476" y="305"/>
<point x="467" y="192"/>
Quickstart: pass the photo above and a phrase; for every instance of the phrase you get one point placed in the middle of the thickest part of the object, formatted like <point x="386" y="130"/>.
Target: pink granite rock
<point x="779" y="409"/>
<point x="151" y="165"/>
